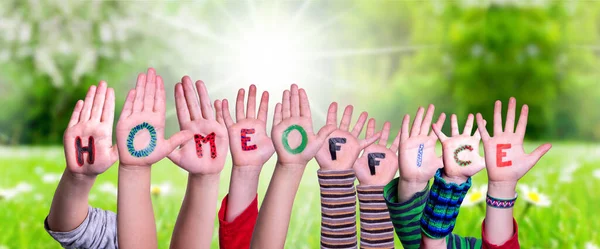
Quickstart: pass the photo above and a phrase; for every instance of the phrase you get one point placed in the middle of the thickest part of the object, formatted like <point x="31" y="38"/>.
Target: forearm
<point x="338" y="208"/>
<point x="499" y="221"/>
<point x="407" y="189"/>
<point x="70" y="203"/>
<point x="377" y="230"/>
<point x="135" y="217"/>
<point x="406" y="215"/>
<point x="242" y="190"/>
<point x="195" y="222"/>
<point x="274" y="215"/>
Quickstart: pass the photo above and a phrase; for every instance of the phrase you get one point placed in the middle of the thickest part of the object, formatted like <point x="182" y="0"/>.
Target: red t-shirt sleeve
<point x="512" y="243"/>
<point x="238" y="233"/>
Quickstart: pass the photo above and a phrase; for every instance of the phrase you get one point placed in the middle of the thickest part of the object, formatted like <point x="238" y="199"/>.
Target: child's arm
<point x="506" y="163"/>
<point x="461" y="157"/>
<point x="204" y="158"/>
<point x="250" y="148"/>
<point x="88" y="153"/>
<point x="295" y="144"/>
<point x="141" y="143"/>
<point x="336" y="179"/>
<point x="374" y="170"/>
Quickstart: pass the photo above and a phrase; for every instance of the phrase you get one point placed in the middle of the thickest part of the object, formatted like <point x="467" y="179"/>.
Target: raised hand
<point x="417" y="159"/>
<point x="206" y="153"/>
<point x="88" y="139"/>
<point x="140" y="130"/>
<point x="250" y="144"/>
<point x="378" y="163"/>
<point x="460" y="151"/>
<point x="343" y="147"/>
<point x="505" y="158"/>
<point x="292" y="133"/>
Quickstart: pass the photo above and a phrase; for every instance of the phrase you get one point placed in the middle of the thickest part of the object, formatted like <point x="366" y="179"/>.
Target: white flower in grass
<point x="591" y="245"/>
<point x="596" y="173"/>
<point x="10" y="193"/>
<point x="3" y="247"/>
<point x="475" y="196"/>
<point x="533" y="196"/>
<point x="109" y="188"/>
<point x="51" y="178"/>
<point x="161" y="189"/>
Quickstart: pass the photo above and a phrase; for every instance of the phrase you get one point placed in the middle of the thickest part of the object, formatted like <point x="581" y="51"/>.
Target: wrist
<point x="459" y="179"/>
<point x="502" y="189"/>
<point x="134" y="168"/>
<point x="80" y="177"/>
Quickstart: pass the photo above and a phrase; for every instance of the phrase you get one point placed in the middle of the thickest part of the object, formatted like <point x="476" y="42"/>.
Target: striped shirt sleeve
<point x="406" y="216"/>
<point x="376" y="228"/>
<point x="338" y="209"/>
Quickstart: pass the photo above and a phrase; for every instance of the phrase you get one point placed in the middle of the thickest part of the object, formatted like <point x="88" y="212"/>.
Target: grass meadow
<point x="569" y="176"/>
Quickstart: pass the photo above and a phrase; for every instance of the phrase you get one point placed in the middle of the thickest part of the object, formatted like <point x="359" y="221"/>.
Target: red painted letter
<point x="199" y="139"/>
<point x="246" y="139"/>
<point x="500" y="154"/>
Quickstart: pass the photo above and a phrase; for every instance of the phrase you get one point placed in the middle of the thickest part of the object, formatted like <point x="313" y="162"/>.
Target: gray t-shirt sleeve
<point x="98" y="230"/>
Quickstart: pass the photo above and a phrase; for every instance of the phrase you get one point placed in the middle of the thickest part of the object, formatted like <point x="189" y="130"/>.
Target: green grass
<point x="571" y="221"/>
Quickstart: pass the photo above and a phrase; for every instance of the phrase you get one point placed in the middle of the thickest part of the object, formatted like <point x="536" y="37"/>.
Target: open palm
<point x="92" y="121"/>
<point x="140" y="130"/>
<point x="206" y="153"/>
<point x="384" y="161"/>
<point x="417" y="158"/>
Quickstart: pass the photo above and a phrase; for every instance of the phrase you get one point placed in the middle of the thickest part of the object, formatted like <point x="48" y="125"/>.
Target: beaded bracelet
<point x="500" y="203"/>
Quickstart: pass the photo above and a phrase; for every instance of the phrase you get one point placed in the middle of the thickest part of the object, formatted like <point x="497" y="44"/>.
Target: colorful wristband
<point x="500" y="203"/>
<point x="441" y="210"/>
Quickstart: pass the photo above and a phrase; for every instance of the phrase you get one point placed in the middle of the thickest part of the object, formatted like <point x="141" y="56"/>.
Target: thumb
<point x="324" y="133"/>
<point x="175" y="157"/>
<point x="537" y="154"/>
<point x="114" y="153"/>
<point x="368" y="141"/>
<point x="178" y="139"/>
<point x="439" y="133"/>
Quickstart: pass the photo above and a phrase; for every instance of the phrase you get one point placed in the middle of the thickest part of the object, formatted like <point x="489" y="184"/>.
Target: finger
<point x="226" y="114"/>
<point x="510" y="115"/>
<point x="468" y="125"/>
<point x="416" y="126"/>
<point x="385" y="133"/>
<point x="183" y="113"/>
<point x="427" y="122"/>
<point x="438" y="132"/>
<point x="190" y="98"/>
<point x="285" y="100"/>
<point x="346" y="118"/>
<point x="454" y="125"/>
<point x="175" y="157"/>
<point x="87" y="104"/>
<point x="332" y="114"/>
<point x="324" y="133"/>
<point x="295" y="101"/>
<point x="360" y="123"/>
<point x="150" y="90"/>
<point x="128" y="106"/>
<point x="219" y="111"/>
<point x="481" y="127"/>
<point x="369" y="140"/>
<point x="537" y="154"/>
<point x="396" y="143"/>
<point x="497" y="117"/>
<point x="404" y="133"/>
<point x="370" y="128"/>
<point x="178" y="139"/>
<point x="304" y="104"/>
<point x="263" y="109"/>
<point x="473" y="170"/>
<point x="108" y="111"/>
<point x="99" y="99"/>
<point x="114" y="153"/>
<point x="138" y="102"/>
<point x="76" y="113"/>
<point x="522" y="124"/>
<point x="239" y="105"/>
<point x="160" y="96"/>
<point x="278" y="114"/>
<point x="439" y="123"/>
<point x="251" y="107"/>
<point x="207" y="110"/>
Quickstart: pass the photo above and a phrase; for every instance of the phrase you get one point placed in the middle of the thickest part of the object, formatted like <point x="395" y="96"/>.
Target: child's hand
<point x="460" y="152"/>
<point x="417" y="158"/>
<point x="505" y="158"/>
<point x="206" y="153"/>
<point x="378" y="164"/>
<point x="292" y="133"/>
<point x="250" y="145"/>
<point x="140" y="130"/>
<point x="88" y="138"/>
<point x="343" y="147"/>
